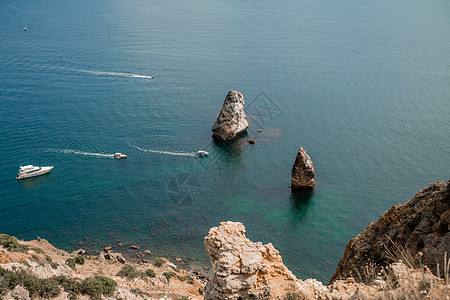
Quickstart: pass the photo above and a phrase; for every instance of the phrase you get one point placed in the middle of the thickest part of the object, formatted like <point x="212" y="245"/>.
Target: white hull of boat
<point x="41" y="171"/>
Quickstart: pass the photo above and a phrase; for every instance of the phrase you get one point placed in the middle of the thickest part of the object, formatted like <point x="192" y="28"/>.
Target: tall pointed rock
<point x="303" y="173"/>
<point x="231" y="121"/>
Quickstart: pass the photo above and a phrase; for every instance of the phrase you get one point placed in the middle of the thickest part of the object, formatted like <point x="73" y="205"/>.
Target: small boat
<point x="119" y="155"/>
<point x="32" y="171"/>
<point x="24" y="29"/>
<point x="202" y="153"/>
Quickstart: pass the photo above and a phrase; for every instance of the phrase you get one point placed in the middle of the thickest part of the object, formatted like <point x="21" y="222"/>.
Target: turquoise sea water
<point x="363" y="86"/>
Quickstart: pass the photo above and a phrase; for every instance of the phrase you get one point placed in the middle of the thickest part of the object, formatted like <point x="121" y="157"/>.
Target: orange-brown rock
<point x="4" y="258"/>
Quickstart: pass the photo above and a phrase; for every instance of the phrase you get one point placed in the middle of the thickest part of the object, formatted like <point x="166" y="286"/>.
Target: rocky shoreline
<point x="389" y="260"/>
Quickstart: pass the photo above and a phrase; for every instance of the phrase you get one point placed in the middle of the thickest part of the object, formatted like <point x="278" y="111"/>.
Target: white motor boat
<point x="32" y="171"/>
<point x="202" y="153"/>
<point x="119" y="155"/>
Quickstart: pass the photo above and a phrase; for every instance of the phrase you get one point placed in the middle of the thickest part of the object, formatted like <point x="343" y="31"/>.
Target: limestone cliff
<point x="246" y="270"/>
<point x="419" y="225"/>
<point x="231" y="121"/>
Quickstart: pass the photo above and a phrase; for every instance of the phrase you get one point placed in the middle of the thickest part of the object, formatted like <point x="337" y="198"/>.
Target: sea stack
<point x="231" y="121"/>
<point x="303" y="173"/>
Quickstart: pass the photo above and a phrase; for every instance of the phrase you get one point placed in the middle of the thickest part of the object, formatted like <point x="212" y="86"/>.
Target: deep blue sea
<point x="363" y="86"/>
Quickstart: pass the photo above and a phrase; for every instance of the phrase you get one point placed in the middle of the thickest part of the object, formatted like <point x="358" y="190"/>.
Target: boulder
<point x="112" y="256"/>
<point x="20" y="293"/>
<point x="303" y="173"/>
<point x="79" y="252"/>
<point x="231" y="121"/>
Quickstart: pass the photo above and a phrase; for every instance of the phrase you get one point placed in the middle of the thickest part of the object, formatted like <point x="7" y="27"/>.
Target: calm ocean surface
<point x="363" y="86"/>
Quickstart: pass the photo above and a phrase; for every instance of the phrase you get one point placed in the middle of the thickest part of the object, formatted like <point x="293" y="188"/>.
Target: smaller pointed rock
<point x="303" y="173"/>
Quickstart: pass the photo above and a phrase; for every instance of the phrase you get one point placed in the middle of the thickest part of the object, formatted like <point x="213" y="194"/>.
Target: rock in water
<point x="231" y="121"/>
<point x="303" y="173"/>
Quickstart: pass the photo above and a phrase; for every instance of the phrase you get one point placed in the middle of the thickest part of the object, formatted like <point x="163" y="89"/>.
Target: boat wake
<point x="68" y="151"/>
<point x="163" y="152"/>
<point x="120" y="74"/>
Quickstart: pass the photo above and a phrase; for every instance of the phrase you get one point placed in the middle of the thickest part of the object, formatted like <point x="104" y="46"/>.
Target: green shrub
<point x="71" y="263"/>
<point x="9" y="279"/>
<point x="129" y="272"/>
<point x="45" y="288"/>
<point x="12" y="243"/>
<point x="169" y="275"/>
<point x="186" y="278"/>
<point x="200" y="291"/>
<point x="150" y="273"/>
<point x="109" y="285"/>
<point x="70" y="285"/>
<point x="98" y="285"/>
<point x="92" y="287"/>
<point x="32" y="284"/>
<point x="158" y="262"/>
<point x="79" y="260"/>
<point x="49" y="288"/>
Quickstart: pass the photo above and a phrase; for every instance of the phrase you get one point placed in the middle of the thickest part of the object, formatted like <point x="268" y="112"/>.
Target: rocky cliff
<point x="246" y="270"/>
<point x="418" y="228"/>
<point x="243" y="269"/>
<point x="231" y="121"/>
<point x="386" y="261"/>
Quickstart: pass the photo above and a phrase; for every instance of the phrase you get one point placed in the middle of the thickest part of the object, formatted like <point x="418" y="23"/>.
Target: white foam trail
<point x="68" y="151"/>
<point x="163" y="152"/>
<point x="129" y="75"/>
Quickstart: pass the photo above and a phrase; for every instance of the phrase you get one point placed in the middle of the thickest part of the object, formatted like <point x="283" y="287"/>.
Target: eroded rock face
<point x="419" y="225"/>
<point x="246" y="270"/>
<point x="303" y="172"/>
<point x="231" y="121"/>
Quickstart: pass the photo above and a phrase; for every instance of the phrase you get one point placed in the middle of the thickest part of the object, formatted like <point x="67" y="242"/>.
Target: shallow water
<point x="363" y="86"/>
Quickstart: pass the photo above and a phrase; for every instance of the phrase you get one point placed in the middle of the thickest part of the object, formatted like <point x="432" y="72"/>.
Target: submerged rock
<point x="303" y="173"/>
<point x="231" y="121"/>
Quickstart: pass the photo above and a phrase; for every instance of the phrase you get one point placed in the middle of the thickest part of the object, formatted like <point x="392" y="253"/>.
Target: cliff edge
<point x="418" y="228"/>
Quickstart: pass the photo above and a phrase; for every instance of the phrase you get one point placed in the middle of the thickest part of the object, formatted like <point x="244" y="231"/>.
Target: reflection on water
<point x="300" y="202"/>
<point x="32" y="182"/>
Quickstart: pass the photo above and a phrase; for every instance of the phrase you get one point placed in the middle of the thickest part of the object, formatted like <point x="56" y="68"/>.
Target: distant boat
<point x="24" y="29"/>
<point x="202" y="153"/>
<point x="119" y="155"/>
<point x="32" y="171"/>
